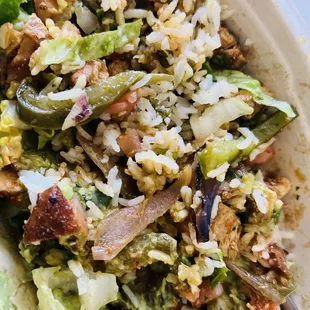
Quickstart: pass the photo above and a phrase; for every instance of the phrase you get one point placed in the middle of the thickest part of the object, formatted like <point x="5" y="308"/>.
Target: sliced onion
<point x="121" y="227"/>
<point x="79" y="113"/>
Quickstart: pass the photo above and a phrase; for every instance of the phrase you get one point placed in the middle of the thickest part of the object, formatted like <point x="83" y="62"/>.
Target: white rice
<point x="135" y="13"/>
<point x="76" y="268"/>
<point x="249" y="138"/>
<point x="131" y="296"/>
<point x="113" y="5"/>
<point x="84" y="133"/>
<point x="71" y="94"/>
<point x="94" y="212"/>
<point x="261" y="201"/>
<point x="210" y="92"/>
<point x="215" y="206"/>
<point x="234" y="183"/>
<point x="142" y="82"/>
<point x="74" y="155"/>
<point x="261" y="149"/>
<point x="160" y="256"/>
<point x="36" y="183"/>
<point x="219" y="173"/>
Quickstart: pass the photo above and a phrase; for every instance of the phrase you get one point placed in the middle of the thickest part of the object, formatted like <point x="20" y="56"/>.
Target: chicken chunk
<point x="48" y="8"/>
<point x="9" y="38"/>
<point x="9" y="184"/>
<point x="227" y="39"/>
<point x="118" y="66"/>
<point x="54" y="216"/>
<point x="277" y="258"/>
<point x="34" y="32"/>
<point x="229" y="54"/>
<point x="280" y="185"/>
<point x="94" y="71"/>
<point x="226" y="230"/>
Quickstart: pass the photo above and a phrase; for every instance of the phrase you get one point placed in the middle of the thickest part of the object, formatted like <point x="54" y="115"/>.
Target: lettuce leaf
<point x="10" y="133"/>
<point x="215" y="116"/>
<point x="49" y="279"/>
<point x="58" y="289"/>
<point x="9" y="10"/>
<point x="246" y="82"/>
<point x="78" y="49"/>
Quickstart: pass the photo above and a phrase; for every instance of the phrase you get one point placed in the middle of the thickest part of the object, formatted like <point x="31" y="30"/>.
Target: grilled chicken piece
<point x="118" y="66"/>
<point x="48" y="9"/>
<point x="9" y="184"/>
<point x="94" y="71"/>
<point x="227" y="39"/>
<point x="277" y="258"/>
<point x="280" y="185"/>
<point x="130" y="143"/>
<point x="10" y="38"/>
<point x="230" y="49"/>
<point x="54" y="216"/>
<point x="226" y="230"/>
<point x="34" y="32"/>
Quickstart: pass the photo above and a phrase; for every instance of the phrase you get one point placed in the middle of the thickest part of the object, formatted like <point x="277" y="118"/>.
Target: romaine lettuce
<point x="49" y="279"/>
<point x="215" y="116"/>
<point x="246" y="82"/>
<point x="78" y="49"/>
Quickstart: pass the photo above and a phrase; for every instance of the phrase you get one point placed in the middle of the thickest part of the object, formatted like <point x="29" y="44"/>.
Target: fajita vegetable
<point x="132" y="149"/>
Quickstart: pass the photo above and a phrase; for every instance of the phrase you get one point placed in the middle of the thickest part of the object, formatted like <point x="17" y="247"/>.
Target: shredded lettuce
<point x="50" y="279"/>
<point x="79" y="49"/>
<point x="11" y="128"/>
<point x="45" y="136"/>
<point x="215" y="116"/>
<point x="246" y="82"/>
<point x="9" y="10"/>
<point x="58" y="289"/>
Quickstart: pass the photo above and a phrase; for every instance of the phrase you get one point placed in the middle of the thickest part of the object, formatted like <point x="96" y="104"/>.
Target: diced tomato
<point x="263" y="157"/>
<point x="207" y="293"/>
<point x="130" y="143"/>
<point x="262" y="304"/>
<point x="124" y="105"/>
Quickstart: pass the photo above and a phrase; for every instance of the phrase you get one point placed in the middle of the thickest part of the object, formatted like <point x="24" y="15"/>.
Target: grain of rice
<point x="71" y="94"/>
<point x="261" y="201"/>
<point x="219" y="173"/>
<point x="215" y="206"/>
<point x="131" y="296"/>
<point x="76" y="268"/>
<point x="104" y="188"/>
<point x="234" y="183"/>
<point x="160" y="256"/>
<point x="94" y="212"/>
<point x="136" y="201"/>
<point x="84" y="133"/>
<point x="135" y="13"/>
<point x="81" y="82"/>
<point x="142" y="82"/>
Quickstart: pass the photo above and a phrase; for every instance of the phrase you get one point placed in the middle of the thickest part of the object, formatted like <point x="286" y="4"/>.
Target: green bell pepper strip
<point x="219" y="152"/>
<point x="42" y="112"/>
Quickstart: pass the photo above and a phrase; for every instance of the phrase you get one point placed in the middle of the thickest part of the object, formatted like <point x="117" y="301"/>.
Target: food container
<point x="275" y="36"/>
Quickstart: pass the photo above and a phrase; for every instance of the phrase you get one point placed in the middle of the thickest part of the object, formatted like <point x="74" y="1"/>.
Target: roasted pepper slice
<point x="219" y="152"/>
<point x="42" y="112"/>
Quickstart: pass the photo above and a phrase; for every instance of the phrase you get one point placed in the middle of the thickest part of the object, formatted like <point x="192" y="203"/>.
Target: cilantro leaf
<point x="9" y="10"/>
<point x="220" y="275"/>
